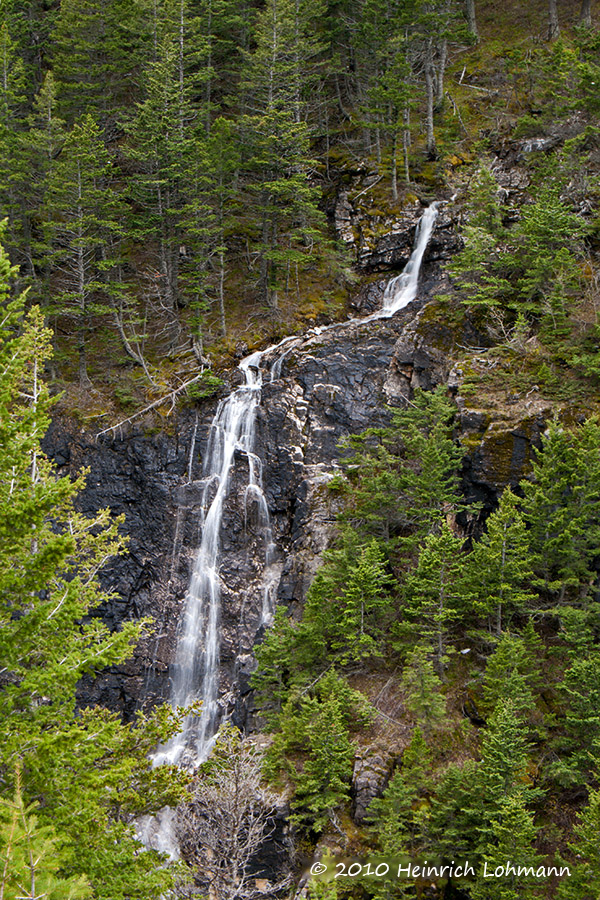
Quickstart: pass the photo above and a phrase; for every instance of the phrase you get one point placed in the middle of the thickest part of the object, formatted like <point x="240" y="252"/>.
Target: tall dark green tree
<point x="89" y="774"/>
<point x="561" y="508"/>
<point x="287" y="223"/>
<point x="82" y="215"/>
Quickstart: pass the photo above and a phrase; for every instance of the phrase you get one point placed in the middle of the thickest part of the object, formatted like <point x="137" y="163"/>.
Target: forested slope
<point x="171" y="175"/>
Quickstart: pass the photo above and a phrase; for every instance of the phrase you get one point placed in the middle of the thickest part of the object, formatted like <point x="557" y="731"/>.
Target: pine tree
<point x="578" y="756"/>
<point x="394" y="816"/>
<point x="30" y="858"/>
<point x="502" y="771"/>
<point x="88" y="772"/>
<point x="434" y="593"/>
<point x="360" y="619"/>
<point x="423" y="690"/>
<point x="288" y="225"/>
<point x="82" y="216"/>
<point x="561" y="508"/>
<point x="512" y="675"/>
<point x="13" y="162"/>
<point x="510" y="847"/>
<point x="499" y="566"/>
<point x="584" y="880"/>
<point x="405" y="478"/>
<point x="98" y="51"/>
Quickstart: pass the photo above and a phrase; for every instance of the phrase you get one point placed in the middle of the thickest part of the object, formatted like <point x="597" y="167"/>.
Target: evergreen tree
<point x="98" y="52"/>
<point x="30" y="857"/>
<point x="89" y="774"/>
<point x="423" y="690"/>
<point x="578" y="754"/>
<point x="13" y="163"/>
<point x="316" y="724"/>
<point x="561" y="508"/>
<point x="499" y="566"/>
<point x="434" y="592"/>
<point x="502" y="771"/>
<point x="512" y="675"/>
<point x="360" y="625"/>
<point x="288" y="224"/>
<point x="82" y="213"/>
<point x="405" y="478"/>
<point x="584" y="882"/>
<point x="511" y="846"/>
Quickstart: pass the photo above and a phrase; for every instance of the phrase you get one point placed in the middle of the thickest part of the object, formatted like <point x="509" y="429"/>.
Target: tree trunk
<point x="439" y="99"/>
<point x="222" y="293"/>
<point x="395" y="167"/>
<point x="429" y="73"/>
<point x="471" y="20"/>
<point x="553" y="26"/>
<point x="586" y="13"/>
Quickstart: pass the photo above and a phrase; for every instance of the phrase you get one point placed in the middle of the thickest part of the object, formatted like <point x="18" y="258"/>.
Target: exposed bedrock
<point x="332" y="384"/>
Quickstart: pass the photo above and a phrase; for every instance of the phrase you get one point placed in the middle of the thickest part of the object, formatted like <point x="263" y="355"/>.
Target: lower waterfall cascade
<point x="195" y="671"/>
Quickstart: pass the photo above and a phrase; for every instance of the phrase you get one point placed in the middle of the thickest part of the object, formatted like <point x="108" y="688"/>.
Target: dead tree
<point x="229" y="818"/>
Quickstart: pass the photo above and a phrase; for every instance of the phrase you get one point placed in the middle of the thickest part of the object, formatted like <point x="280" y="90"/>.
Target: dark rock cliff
<point x="333" y="383"/>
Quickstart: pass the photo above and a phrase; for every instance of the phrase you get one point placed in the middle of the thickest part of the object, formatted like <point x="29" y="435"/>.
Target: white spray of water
<point x="196" y="667"/>
<point x="400" y="291"/>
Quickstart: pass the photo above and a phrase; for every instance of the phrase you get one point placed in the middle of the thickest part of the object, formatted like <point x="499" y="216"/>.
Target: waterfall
<point x="196" y="667"/>
<point x="195" y="673"/>
<point x="400" y="291"/>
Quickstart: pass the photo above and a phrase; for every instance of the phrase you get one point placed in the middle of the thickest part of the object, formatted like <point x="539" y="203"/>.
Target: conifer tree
<point x="88" y="772"/>
<point x="288" y="223"/>
<point x="30" y="857"/>
<point x="584" y="880"/>
<point x="499" y="566"/>
<point x="578" y="756"/>
<point x="501" y="775"/>
<point x="561" y="508"/>
<point x="434" y="592"/>
<point x="98" y="52"/>
<point x="13" y="163"/>
<point x="510" y="846"/>
<point x="423" y="690"/>
<point x="361" y="616"/>
<point x="511" y="675"/>
<point x="82" y="216"/>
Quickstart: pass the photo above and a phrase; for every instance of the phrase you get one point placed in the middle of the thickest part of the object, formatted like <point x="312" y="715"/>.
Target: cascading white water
<point x="196" y="667"/>
<point x="400" y="291"/>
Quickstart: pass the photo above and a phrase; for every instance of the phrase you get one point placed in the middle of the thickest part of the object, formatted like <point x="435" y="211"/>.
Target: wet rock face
<point x="332" y="384"/>
<point x="382" y="242"/>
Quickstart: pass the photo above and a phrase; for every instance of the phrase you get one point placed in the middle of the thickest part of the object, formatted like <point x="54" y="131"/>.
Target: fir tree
<point x="30" y="857"/>
<point x="499" y="566"/>
<point x="512" y="675"/>
<point x="434" y="592"/>
<point x="561" y="508"/>
<point x="288" y="224"/>
<point x="423" y="690"/>
<point x="511" y="846"/>
<point x="89" y="774"/>
<point x="362" y="607"/>
<point x="584" y="883"/>
<point x="82" y="216"/>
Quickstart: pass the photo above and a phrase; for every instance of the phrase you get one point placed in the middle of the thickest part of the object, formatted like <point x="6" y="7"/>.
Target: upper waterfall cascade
<point x="195" y="672"/>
